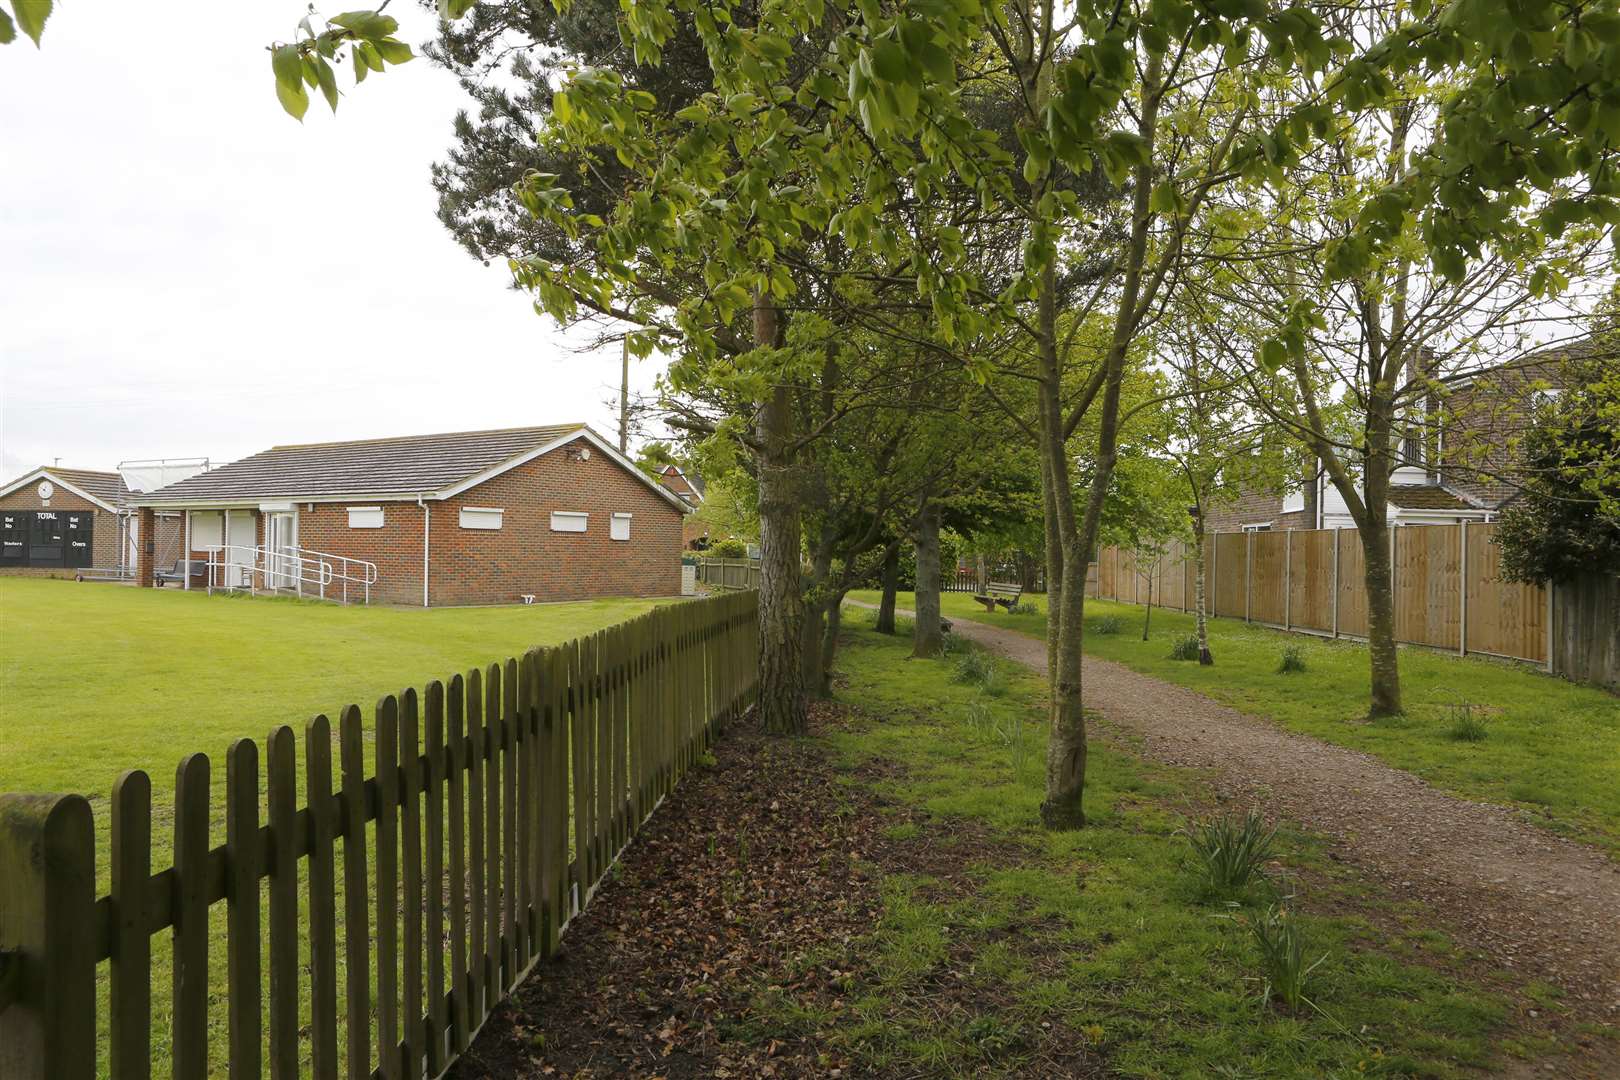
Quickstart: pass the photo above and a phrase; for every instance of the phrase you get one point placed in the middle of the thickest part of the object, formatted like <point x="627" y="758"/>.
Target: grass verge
<point x="1550" y="748"/>
<point x="1106" y="933"/>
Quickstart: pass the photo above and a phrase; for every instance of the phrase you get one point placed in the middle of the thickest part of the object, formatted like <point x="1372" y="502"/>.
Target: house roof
<point x="106" y="488"/>
<point x="1425" y="497"/>
<point x="431" y="466"/>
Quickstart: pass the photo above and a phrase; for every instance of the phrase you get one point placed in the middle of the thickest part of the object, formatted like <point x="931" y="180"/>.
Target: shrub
<point x="1293" y="659"/>
<point x="1024" y="607"/>
<point x="1233" y="851"/>
<point x="1184" y="647"/>
<point x="1108" y="624"/>
<point x="728" y="549"/>
<point x="975" y="666"/>
<point x="1282" y="955"/>
<point x="1467" y="725"/>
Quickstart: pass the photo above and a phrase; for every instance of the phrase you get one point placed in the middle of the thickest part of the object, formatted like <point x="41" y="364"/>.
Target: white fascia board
<point x="253" y="503"/>
<point x="589" y="436"/>
<point x="46" y="474"/>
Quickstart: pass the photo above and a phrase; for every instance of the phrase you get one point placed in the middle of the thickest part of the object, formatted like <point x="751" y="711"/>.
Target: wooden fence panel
<point x="1428" y="578"/>
<point x="1504" y="619"/>
<point x="1268" y="577"/>
<point x="1310" y="579"/>
<point x="1352" y="592"/>
<point x="1586" y="624"/>
<point x="1227" y="583"/>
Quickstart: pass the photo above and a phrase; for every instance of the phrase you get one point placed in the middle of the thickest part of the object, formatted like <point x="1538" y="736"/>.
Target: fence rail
<point x="495" y="804"/>
<point x="1447" y="593"/>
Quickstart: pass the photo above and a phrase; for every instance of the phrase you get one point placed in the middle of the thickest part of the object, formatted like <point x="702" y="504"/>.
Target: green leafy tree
<point x="1565" y="522"/>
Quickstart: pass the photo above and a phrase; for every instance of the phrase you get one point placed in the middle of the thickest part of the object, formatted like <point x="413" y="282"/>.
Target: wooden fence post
<point x="1336" y="581"/>
<point x="1248" y="572"/>
<point x="1288" y="579"/>
<point x="47" y="954"/>
<point x="1462" y="587"/>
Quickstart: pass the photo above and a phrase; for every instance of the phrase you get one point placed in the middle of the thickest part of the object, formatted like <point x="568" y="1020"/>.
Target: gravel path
<point x="1533" y="902"/>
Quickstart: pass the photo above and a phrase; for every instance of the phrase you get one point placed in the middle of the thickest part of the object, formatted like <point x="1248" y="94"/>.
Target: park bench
<point x="198" y="570"/>
<point x="998" y="593"/>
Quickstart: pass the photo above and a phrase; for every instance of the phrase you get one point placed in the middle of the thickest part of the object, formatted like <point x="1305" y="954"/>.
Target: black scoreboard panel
<point x="47" y="538"/>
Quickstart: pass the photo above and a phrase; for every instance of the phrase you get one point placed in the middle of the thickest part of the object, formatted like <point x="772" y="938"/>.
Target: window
<point x="568" y="521"/>
<point x="207" y="530"/>
<point x="619" y="527"/>
<point x="1294" y="500"/>
<point x="1261" y="526"/>
<point x="365" y="517"/>
<point x="480" y="517"/>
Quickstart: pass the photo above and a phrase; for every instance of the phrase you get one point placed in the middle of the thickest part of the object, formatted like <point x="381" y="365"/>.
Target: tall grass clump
<point x="1026" y="608"/>
<point x="1282" y="955"/>
<point x="975" y="666"/>
<point x="1467" y="725"/>
<point x="1108" y="624"/>
<point x="1184" y="647"/>
<point x="1293" y="660"/>
<point x="1233" y="850"/>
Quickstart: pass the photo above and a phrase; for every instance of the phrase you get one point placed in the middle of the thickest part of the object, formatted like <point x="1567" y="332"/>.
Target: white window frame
<point x="1257" y="526"/>
<point x="613" y="526"/>
<point x="487" y="518"/>
<point x="570" y="521"/>
<point x="369" y="517"/>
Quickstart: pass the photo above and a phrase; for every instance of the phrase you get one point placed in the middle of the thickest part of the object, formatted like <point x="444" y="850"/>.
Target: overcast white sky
<point x="187" y="271"/>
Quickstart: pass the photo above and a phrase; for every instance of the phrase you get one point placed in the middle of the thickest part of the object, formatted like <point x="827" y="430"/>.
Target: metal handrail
<point x="269" y="568"/>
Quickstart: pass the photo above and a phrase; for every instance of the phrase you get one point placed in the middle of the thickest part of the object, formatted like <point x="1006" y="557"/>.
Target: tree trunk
<point x="829" y="642"/>
<point x="1205" y="657"/>
<point x="891" y="586"/>
<point x="815" y="620"/>
<point x="781" y="605"/>
<point x="927" y="637"/>
<point x="1386" y="674"/>
<point x="1027" y="571"/>
<point x="1147" y="620"/>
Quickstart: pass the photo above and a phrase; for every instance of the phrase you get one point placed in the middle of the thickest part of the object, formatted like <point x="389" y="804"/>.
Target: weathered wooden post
<point x="47" y="938"/>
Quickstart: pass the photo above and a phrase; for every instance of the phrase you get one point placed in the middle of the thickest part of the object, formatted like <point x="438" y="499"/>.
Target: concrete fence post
<point x="47" y="938"/>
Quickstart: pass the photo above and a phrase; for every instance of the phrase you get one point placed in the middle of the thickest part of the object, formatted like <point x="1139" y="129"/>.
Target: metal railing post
<point x="47" y="952"/>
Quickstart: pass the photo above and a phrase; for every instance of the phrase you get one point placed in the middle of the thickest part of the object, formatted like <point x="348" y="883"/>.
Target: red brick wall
<point x="473" y="566"/>
<point x="1244" y="510"/>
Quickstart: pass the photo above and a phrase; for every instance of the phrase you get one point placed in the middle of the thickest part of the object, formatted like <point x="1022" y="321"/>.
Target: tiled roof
<point x="106" y="486"/>
<point x="408" y="465"/>
<point x="1425" y="497"/>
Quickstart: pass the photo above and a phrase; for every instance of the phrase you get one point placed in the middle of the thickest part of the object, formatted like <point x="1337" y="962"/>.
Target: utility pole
<point x="624" y="400"/>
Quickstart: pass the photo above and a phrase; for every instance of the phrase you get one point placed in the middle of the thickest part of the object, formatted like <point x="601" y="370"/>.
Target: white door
<point x="241" y="536"/>
<point x="283" y="544"/>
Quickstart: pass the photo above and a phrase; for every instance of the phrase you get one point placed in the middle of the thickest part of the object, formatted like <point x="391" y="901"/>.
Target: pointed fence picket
<point x="464" y="855"/>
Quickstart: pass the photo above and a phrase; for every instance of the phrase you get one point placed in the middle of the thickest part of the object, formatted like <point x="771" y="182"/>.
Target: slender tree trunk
<point x="891" y="586"/>
<point x="829" y="641"/>
<point x="1200" y="588"/>
<point x="1386" y="674"/>
<point x="1026" y="571"/>
<point x="781" y="605"/>
<point x="1147" y="619"/>
<point x="815" y="620"/>
<point x="927" y="637"/>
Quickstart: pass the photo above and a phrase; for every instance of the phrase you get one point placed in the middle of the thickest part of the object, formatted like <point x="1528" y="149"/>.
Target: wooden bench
<point x="998" y="593"/>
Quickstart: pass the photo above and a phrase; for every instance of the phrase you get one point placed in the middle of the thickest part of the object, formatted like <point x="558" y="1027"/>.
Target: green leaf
<point x="8" y="29"/>
<point x="394" y="51"/>
<point x="366" y="24"/>
<point x="328" y="81"/>
<point x="31" y="16"/>
<point x="1273" y="354"/>
<point x="361" y="68"/>
<point x="288" y="66"/>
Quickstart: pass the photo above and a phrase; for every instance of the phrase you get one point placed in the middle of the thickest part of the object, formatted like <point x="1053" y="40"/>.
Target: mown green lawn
<point x="96" y="679"/>
<point x="1552" y="748"/>
<point x="1109" y="931"/>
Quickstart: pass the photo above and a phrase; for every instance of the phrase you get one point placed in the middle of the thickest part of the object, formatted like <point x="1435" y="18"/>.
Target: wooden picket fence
<point x="494" y="804"/>
<point x="1447" y="592"/>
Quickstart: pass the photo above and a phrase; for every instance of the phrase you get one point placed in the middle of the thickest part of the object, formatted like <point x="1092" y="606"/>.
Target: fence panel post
<point x="47" y="960"/>
<point x="1462" y="587"/>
